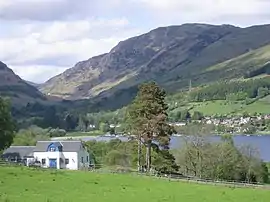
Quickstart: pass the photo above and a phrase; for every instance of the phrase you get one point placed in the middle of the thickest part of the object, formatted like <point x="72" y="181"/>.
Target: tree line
<point x="222" y="160"/>
<point x="58" y="117"/>
<point x="232" y="90"/>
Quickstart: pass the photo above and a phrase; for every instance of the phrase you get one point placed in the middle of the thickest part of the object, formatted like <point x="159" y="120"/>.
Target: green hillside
<point x="221" y="107"/>
<point x="255" y="61"/>
<point x="252" y="65"/>
<point x="24" y="185"/>
<point x="172" y="56"/>
<point x="234" y="97"/>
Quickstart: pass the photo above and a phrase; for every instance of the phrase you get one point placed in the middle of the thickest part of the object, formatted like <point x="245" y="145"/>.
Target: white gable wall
<point x="47" y="155"/>
<point x="73" y="160"/>
<point x="72" y="156"/>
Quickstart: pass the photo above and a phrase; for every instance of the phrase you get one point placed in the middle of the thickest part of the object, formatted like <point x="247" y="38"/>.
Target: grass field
<point x="224" y="107"/>
<point x="24" y="185"/>
<point x="81" y="134"/>
<point x="216" y="107"/>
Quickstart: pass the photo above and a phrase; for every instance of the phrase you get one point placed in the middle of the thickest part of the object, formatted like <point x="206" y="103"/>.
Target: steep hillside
<point x="170" y="55"/>
<point x="251" y="64"/>
<point x="18" y="90"/>
<point x="33" y="84"/>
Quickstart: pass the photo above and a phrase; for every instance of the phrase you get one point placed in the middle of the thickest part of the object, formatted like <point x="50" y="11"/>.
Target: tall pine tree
<point x="147" y="120"/>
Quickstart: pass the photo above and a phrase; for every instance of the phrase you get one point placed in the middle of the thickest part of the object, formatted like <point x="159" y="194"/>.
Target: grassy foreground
<point x="24" y="185"/>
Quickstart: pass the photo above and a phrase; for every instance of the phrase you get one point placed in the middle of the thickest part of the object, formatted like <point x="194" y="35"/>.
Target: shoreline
<point x="123" y="136"/>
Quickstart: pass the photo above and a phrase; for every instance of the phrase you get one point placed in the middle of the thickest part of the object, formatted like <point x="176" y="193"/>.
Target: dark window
<point x="66" y="161"/>
<point x="43" y="161"/>
<point x="87" y="158"/>
<point x="52" y="149"/>
<point x="82" y="159"/>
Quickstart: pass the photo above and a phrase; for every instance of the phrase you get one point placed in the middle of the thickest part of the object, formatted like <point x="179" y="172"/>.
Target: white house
<point x="60" y="155"/>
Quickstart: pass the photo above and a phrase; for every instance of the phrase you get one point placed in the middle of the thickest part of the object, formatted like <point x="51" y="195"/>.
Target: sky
<point x="42" y="38"/>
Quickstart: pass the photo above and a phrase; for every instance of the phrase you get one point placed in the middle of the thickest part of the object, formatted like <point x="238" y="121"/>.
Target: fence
<point x="180" y="178"/>
<point x="169" y="177"/>
<point x="10" y="163"/>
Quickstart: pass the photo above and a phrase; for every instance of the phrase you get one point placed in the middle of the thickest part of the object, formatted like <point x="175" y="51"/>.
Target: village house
<point x="18" y="154"/>
<point x="50" y="154"/>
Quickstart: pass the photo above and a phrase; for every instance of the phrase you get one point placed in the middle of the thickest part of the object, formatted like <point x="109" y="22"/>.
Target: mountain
<point x="251" y="64"/>
<point x="37" y="85"/>
<point x="19" y="91"/>
<point x="173" y="56"/>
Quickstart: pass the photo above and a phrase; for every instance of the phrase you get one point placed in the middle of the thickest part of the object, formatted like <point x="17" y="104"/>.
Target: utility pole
<point x="190" y="85"/>
<point x="139" y="153"/>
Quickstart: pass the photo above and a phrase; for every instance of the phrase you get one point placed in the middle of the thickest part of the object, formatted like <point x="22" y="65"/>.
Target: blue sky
<point x="42" y="38"/>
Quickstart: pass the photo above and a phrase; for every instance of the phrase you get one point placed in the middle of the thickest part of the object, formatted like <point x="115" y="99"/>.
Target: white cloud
<point x="60" y="44"/>
<point x="61" y="31"/>
<point x="215" y="11"/>
<point x="39" y="73"/>
<point x="48" y="10"/>
<point x="36" y="9"/>
<point x="40" y="38"/>
<point x="215" y="6"/>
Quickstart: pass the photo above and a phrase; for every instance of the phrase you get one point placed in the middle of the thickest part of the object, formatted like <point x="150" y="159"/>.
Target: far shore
<point x="120" y="136"/>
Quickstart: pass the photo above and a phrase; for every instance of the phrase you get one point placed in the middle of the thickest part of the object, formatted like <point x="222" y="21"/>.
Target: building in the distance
<point x="18" y="154"/>
<point x="51" y="154"/>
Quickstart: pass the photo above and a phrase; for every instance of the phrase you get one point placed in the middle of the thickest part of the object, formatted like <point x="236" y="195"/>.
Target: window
<point x="43" y="161"/>
<point x="87" y="159"/>
<point x="66" y="161"/>
<point x="82" y="159"/>
<point x="52" y="149"/>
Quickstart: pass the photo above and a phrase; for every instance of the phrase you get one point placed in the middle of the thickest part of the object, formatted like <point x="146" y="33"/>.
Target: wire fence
<point x="170" y="177"/>
<point x="181" y="178"/>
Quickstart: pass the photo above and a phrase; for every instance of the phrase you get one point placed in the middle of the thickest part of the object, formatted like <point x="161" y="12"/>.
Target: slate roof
<point x="18" y="151"/>
<point x="68" y="146"/>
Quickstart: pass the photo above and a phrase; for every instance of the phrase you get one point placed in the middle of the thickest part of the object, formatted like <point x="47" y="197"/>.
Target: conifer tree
<point x="147" y="120"/>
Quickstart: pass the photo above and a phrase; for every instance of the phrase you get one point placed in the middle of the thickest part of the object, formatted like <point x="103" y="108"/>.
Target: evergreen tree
<point x="83" y="123"/>
<point x="147" y="120"/>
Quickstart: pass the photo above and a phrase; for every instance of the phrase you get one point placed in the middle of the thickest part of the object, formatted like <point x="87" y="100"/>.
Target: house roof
<point x="18" y="151"/>
<point x="68" y="146"/>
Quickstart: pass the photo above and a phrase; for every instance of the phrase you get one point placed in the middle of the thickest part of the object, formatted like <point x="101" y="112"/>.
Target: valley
<point x="192" y="62"/>
<point x="153" y="101"/>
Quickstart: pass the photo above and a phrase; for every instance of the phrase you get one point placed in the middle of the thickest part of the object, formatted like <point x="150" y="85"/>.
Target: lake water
<point x="260" y="143"/>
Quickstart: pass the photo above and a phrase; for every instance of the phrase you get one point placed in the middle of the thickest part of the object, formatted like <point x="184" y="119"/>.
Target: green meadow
<point x="224" y="107"/>
<point x="18" y="184"/>
<point x="82" y="134"/>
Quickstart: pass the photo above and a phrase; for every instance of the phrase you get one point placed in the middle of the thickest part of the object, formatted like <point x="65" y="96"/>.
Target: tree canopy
<point x="146" y="118"/>
<point x="7" y="125"/>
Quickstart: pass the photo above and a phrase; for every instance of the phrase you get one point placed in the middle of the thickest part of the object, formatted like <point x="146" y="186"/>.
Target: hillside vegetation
<point x="234" y="97"/>
<point x="169" y="55"/>
<point x="240" y="97"/>
<point x="251" y="64"/>
<point x="19" y="91"/>
<point x="55" y="186"/>
<point x="210" y="58"/>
